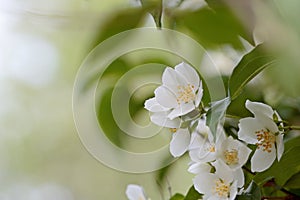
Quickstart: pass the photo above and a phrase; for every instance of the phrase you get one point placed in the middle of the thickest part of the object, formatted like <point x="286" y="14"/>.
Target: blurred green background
<point x="43" y="44"/>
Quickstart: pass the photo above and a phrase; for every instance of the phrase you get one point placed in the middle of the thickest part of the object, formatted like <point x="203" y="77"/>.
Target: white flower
<point x="203" y="147"/>
<point x="221" y="185"/>
<point x="233" y="153"/>
<point x="197" y="168"/>
<point x="135" y="192"/>
<point x="159" y="114"/>
<point x="264" y="133"/>
<point x="180" y="142"/>
<point x="181" y="90"/>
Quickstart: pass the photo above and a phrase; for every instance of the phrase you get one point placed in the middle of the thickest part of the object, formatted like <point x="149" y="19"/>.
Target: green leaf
<point x="295" y="192"/>
<point x="177" y="196"/>
<point x="293" y="182"/>
<point x="283" y="170"/>
<point x="224" y="7"/>
<point x="210" y="27"/>
<point x="104" y="112"/>
<point x="250" y="65"/>
<point x="106" y="119"/>
<point x="216" y="114"/>
<point x="192" y="194"/>
<point x="155" y="9"/>
<point x="293" y="142"/>
<point x="162" y="173"/>
<point x="252" y="193"/>
<point x="118" y="22"/>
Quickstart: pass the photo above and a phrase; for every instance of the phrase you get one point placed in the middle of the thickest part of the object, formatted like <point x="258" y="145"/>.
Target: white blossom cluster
<point x="216" y="161"/>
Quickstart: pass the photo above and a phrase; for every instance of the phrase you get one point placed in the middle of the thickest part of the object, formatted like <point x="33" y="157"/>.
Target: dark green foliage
<point x="250" y="65"/>
<point x="251" y="193"/>
<point x="192" y="194"/>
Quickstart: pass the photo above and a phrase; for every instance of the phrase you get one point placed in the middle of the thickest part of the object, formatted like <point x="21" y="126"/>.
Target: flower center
<point x="211" y="148"/>
<point x="231" y="157"/>
<point x="185" y="94"/>
<point x="173" y="130"/>
<point x="266" y="140"/>
<point x="222" y="189"/>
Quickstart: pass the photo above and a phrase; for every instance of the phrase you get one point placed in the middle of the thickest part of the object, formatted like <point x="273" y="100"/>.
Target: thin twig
<point x="232" y="116"/>
<point x="169" y="187"/>
<point x="179" y="4"/>
<point x="275" y="198"/>
<point x="160" y="190"/>
<point x="273" y="184"/>
<point x="291" y="127"/>
<point x="286" y="192"/>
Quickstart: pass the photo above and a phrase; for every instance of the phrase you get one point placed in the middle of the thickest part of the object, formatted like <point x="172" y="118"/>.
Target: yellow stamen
<point x="266" y="140"/>
<point x="173" y="130"/>
<point x="231" y="157"/>
<point x="222" y="189"/>
<point x="186" y="94"/>
<point x="212" y="148"/>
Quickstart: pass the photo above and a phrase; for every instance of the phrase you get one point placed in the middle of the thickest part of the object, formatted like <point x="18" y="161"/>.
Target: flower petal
<point x="194" y="155"/>
<point x="202" y="128"/>
<point x="197" y="168"/>
<point x="197" y="141"/>
<point x="153" y="106"/>
<point x="165" y="97"/>
<point x="247" y="128"/>
<point x="280" y="146"/>
<point x="262" y="160"/>
<point x="171" y="79"/>
<point x="269" y="124"/>
<point x="238" y="175"/>
<point x="181" y="110"/>
<point x="229" y="145"/>
<point x="233" y="191"/>
<point x="220" y="135"/>
<point x="244" y="153"/>
<point x="206" y="156"/>
<point x="180" y="142"/>
<point x="204" y="183"/>
<point x="199" y="148"/>
<point x="223" y="171"/>
<point x="189" y="74"/>
<point x="135" y="192"/>
<point x="199" y="95"/>
<point x="214" y="197"/>
<point x="258" y="109"/>
<point x="161" y="119"/>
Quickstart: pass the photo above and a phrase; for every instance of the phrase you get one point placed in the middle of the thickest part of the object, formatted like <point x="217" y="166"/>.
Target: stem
<point x="272" y="183"/>
<point x="169" y="187"/>
<point x="291" y="127"/>
<point x="232" y="116"/>
<point x="277" y="198"/>
<point x="287" y="192"/>
<point x="160" y="15"/>
<point x="179" y="4"/>
<point x="281" y="121"/>
<point x="160" y="190"/>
